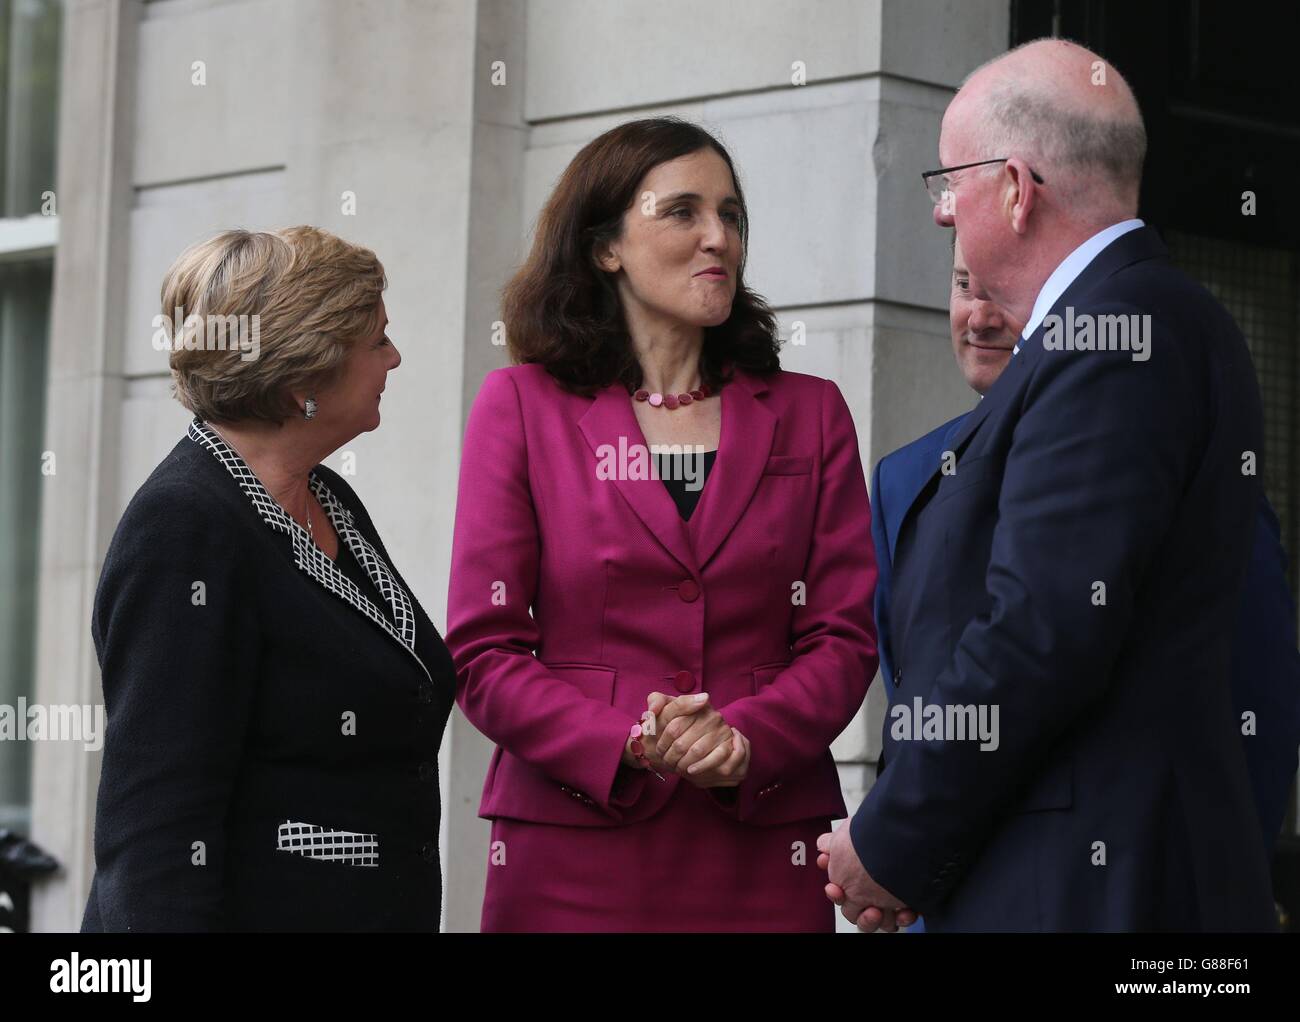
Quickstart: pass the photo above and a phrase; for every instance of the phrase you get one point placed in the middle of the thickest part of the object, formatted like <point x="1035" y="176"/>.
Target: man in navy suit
<point x="1075" y="559"/>
<point x="1265" y="659"/>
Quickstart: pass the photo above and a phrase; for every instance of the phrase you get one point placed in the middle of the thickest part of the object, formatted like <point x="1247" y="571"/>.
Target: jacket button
<point x="689" y="591"/>
<point x="428" y="851"/>
<point x="684" y="680"/>
<point x="428" y="771"/>
<point x="898" y="676"/>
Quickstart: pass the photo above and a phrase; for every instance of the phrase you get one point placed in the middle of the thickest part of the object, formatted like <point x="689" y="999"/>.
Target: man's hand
<point x="861" y="899"/>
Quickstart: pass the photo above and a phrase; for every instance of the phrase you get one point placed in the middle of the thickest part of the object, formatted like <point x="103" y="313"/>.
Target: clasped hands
<point x="691" y="739"/>
<point x="862" y="901"/>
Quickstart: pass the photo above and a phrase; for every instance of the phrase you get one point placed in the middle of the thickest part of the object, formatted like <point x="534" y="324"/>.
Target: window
<point x="1260" y="286"/>
<point x="24" y="313"/>
<point x="29" y="75"/>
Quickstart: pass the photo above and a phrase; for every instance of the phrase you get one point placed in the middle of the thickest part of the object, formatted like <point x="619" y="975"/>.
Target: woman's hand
<point x="690" y="730"/>
<point x="725" y="767"/>
<point x="710" y="754"/>
<point x="649" y="729"/>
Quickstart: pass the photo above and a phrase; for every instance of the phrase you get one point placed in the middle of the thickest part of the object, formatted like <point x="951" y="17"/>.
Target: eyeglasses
<point x="936" y="181"/>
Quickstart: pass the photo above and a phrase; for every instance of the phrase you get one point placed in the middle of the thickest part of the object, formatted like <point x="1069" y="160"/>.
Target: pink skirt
<point x="689" y="868"/>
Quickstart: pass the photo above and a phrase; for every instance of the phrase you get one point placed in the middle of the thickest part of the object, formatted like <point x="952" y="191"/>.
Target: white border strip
<point x="24" y="237"/>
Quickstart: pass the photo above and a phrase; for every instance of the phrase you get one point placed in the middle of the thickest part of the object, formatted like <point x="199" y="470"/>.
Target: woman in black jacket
<point x="275" y="695"/>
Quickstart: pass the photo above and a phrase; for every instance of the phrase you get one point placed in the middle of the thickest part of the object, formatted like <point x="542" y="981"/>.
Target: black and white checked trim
<point x="311" y="558"/>
<point x="369" y="559"/>
<point x="345" y="846"/>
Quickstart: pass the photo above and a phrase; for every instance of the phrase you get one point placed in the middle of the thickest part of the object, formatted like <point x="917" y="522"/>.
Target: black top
<point x="264" y="698"/>
<point x="674" y="469"/>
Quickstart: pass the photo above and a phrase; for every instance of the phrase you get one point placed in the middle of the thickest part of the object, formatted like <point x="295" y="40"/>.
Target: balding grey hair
<point x="1022" y="122"/>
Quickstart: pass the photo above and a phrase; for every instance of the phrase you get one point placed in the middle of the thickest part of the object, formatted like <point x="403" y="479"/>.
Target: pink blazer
<point x="763" y="599"/>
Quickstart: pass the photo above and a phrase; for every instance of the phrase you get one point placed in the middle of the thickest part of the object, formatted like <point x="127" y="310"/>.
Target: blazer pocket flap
<point x="349" y="847"/>
<point x="788" y="465"/>
<point x="593" y="680"/>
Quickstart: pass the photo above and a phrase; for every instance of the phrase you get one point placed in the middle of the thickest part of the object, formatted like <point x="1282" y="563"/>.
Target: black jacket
<point x="248" y="687"/>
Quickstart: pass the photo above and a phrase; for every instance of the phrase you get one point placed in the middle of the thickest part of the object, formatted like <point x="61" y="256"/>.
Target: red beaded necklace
<point x="673" y="400"/>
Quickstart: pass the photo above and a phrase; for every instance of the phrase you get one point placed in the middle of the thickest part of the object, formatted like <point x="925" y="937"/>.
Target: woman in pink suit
<point x="657" y="528"/>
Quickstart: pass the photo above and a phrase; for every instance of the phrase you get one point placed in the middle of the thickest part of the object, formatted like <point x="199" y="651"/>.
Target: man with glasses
<point x="1265" y="674"/>
<point x="1076" y="558"/>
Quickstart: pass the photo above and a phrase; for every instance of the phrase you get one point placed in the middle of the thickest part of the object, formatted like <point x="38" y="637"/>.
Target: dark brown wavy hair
<point x="562" y="311"/>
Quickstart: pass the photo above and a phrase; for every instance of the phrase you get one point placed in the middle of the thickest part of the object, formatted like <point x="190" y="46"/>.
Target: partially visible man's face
<point x="982" y="333"/>
<point x="975" y="210"/>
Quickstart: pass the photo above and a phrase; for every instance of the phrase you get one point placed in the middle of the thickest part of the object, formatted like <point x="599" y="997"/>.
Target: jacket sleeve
<point x="1266" y="674"/>
<point x="175" y="627"/>
<point x="792" y="721"/>
<point x="1077" y="504"/>
<point x="503" y="689"/>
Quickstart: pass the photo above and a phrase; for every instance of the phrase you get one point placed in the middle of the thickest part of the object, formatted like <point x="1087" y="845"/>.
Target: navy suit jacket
<point x="1265" y="675"/>
<point x="1119" y="769"/>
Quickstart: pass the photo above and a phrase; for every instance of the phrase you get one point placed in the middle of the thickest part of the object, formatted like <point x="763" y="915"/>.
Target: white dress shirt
<point x="1066" y="273"/>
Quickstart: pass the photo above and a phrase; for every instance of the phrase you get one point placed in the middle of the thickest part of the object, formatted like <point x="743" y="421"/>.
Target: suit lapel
<point x="368" y="557"/>
<point x="904" y="482"/>
<point x="310" y="558"/>
<point x="748" y="429"/>
<point x="610" y="427"/>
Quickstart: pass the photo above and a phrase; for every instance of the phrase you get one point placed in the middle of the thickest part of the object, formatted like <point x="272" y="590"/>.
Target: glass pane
<point x="24" y="323"/>
<point x="1261" y="288"/>
<point x="30" y="80"/>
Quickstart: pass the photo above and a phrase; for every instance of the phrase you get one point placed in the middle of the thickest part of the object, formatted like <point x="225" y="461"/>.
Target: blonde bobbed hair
<point x="314" y="294"/>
